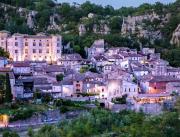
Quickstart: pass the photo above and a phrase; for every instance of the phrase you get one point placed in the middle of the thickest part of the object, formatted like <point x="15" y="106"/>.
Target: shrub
<point x="10" y="134"/>
<point x="59" y="77"/>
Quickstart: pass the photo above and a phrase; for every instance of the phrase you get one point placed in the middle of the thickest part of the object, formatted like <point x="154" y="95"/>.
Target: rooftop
<point x="54" y="68"/>
<point x="164" y="79"/>
<point x="21" y="64"/>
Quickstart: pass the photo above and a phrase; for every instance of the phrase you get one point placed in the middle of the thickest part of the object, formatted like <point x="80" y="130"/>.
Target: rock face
<point x="97" y="29"/>
<point x="176" y="36"/>
<point x="30" y="21"/>
<point x="134" y="25"/>
<point x="53" y="25"/>
<point x="82" y="29"/>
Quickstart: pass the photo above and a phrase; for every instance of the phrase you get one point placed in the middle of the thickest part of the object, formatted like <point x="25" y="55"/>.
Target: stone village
<point x="147" y="81"/>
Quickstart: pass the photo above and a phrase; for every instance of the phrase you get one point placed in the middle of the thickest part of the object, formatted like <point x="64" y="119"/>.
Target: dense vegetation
<point x="103" y="123"/>
<point x="68" y="17"/>
<point x="5" y="89"/>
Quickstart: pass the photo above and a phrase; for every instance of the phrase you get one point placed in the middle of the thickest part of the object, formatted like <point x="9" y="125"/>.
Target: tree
<point x="10" y="134"/>
<point x="115" y="24"/>
<point x="59" y="77"/>
<point x="46" y="98"/>
<point x="84" y="69"/>
<point x="37" y="95"/>
<point x="4" y="53"/>
<point x="8" y="93"/>
<point x="30" y="132"/>
<point x="77" y="48"/>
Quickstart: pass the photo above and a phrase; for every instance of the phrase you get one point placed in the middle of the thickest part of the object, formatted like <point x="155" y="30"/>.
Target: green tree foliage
<point x="84" y="69"/>
<point x="3" y="53"/>
<point x="5" y="89"/>
<point x="71" y="16"/>
<point x="8" y="93"/>
<point x="115" y="24"/>
<point x="124" y="124"/>
<point x="59" y="77"/>
<point x="46" y="98"/>
<point x="10" y="134"/>
<point x="37" y="95"/>
<point x="30" y="132"/>
<point x="173" y="56"/>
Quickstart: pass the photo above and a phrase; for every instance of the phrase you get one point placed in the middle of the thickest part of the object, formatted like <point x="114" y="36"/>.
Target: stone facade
<point x="32" y="47"/>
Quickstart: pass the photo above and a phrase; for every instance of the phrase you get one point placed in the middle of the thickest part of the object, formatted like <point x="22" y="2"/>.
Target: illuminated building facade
<point x="38" y="47"/>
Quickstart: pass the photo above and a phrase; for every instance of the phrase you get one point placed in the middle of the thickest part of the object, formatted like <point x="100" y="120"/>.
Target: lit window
<point x="34" y="51"/>
<point x="26" y="43"/>
<point x="16" y="43"/>
<point x="26" y="51"/>
<point x="40" y="51"/>
<point x="34" y="43"/>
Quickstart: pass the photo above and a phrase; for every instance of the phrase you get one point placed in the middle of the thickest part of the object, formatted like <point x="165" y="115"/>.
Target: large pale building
<point x="38" y="47"/>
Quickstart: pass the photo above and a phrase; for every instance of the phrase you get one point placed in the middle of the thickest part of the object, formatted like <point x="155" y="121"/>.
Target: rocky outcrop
<point x="176" y="36"/>
<point x="53" y="25"/>
<point x="136" y="25"/>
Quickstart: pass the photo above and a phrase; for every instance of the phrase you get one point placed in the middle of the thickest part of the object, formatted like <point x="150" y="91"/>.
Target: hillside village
<point x="88" y="70"/>
<point x="107" y="73"/>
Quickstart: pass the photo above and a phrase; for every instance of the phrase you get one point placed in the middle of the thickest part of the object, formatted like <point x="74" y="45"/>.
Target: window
<point x="47" y="51"/>
<point x="16" y="44"/>
<point x="58" y="51"/>
<point x="16" y="51"/>
<point x="77" y="85"/>
<point x="58" y="44"/>
<point x="47" y="45"/>
<point x="34" y="51"/>
<point x="26" y="51"/>
<point x="26" y="43"/>
<point x="40" y="44"/>
<point x="40" y="51"/>
<point x="129" y="89"/>
<point x="15" y="38"/>
<point x="34" y="43"/>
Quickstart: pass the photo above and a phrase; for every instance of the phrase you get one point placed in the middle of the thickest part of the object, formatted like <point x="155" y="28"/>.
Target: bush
<point x="46" y="98"/>
<point x="59" y="77"/>
<point x="21" y="114"/>
<point x="63" y="109"/>
<point x="10" y="134"/>
<point x="30" y="132"/>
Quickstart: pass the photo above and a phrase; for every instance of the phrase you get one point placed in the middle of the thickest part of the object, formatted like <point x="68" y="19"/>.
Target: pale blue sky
<point x="119" y="3"/>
